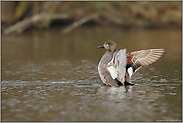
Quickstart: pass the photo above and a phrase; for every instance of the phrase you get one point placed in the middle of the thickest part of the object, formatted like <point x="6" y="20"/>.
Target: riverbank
<point x="20" y="16"/>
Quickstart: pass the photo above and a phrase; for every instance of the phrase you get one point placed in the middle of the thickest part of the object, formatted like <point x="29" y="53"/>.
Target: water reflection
<point x="139" y="102"/>
<point x="118" y="93"/>
<point x="46" y="77"/>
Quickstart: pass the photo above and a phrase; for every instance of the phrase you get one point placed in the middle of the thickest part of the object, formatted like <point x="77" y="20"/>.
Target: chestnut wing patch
<point x="138" y="59"/>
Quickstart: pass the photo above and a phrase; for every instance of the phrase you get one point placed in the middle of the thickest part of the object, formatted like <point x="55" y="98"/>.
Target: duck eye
<point x="105" y="42"/>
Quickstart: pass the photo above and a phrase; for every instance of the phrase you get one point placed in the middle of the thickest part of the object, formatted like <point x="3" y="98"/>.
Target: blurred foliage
<point x="120" y="13"/>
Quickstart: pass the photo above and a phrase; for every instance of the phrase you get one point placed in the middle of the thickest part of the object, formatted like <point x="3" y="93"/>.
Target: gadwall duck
<point x="116" y="67"/>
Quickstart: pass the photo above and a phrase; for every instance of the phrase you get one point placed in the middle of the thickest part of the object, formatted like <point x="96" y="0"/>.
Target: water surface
<point x="50" y="77"/>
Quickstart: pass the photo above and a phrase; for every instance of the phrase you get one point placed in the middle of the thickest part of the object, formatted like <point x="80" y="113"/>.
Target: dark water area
<point x="46" y="76"/>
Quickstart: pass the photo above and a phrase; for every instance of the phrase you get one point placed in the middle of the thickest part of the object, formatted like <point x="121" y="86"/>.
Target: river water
<point x="46" y="76"/>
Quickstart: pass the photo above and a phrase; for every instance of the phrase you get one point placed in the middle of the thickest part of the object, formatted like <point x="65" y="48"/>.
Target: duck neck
<point x="112" y="51"/>
<point x="106" y="58"/>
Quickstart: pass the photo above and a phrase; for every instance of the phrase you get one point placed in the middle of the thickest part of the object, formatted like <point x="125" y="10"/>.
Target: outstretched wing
<point x="138" y="59"/>
<point x="117" y="66"/>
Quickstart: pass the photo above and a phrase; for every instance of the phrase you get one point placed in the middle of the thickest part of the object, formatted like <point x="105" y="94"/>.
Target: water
<point x="50" y="77"/>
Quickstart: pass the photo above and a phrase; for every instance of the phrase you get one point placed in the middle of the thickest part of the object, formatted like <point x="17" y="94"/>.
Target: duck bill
<point x="100" y="46"/>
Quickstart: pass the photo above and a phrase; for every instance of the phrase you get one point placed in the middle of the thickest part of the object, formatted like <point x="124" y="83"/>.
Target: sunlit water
<point x="50" y="77"/>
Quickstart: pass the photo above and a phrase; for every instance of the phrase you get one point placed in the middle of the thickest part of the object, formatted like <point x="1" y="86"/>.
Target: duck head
<point x="109" y="46"/>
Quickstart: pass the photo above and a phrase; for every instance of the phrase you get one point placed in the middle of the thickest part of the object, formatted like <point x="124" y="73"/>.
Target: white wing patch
<point x="117" y="66"/>
<point x="130" y="71"/>
<point x="112" y="70"/>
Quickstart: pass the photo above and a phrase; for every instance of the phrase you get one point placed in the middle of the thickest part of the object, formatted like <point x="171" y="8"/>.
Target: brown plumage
<point x="110" y="74"/>
<point x="144" y="58"/>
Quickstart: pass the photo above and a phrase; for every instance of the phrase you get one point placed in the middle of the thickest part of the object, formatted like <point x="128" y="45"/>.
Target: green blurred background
<point x="127" y="15"/>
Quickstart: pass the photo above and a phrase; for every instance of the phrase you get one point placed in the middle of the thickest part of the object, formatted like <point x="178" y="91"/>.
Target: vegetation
<point x="18" y="16"/>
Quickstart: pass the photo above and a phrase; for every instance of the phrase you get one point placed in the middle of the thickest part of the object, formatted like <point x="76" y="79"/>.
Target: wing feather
<point x="117" y="66"/>
<point x="146" y="57"/>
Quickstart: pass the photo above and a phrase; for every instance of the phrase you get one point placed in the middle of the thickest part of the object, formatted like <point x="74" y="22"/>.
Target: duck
<point x="116" y="67"/>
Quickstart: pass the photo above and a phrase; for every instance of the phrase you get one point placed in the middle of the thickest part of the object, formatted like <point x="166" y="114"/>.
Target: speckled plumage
<point x="114" y="74"/>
